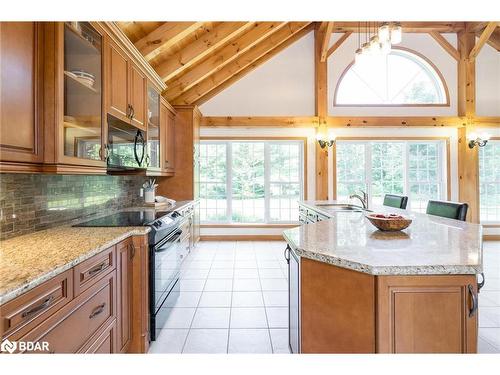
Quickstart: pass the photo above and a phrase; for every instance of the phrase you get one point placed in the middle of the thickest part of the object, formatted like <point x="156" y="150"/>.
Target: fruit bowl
<point x="389" y="222"/>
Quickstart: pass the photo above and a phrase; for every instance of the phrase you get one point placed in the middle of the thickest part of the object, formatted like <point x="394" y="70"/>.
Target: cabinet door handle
<point x="128" y="111"/>
<point x="132" y="112"/>
<point x="473" y="297"/>
<point x="287" y="254"/>
<point x="46" y="303"/>
<point x="99" y="309"/>
<point x="481" y="284"/>
<point x="97" y="269"/>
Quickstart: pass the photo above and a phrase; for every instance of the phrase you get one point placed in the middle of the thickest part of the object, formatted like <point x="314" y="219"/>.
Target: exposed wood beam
<point x="468" y="159"/>
<point x="228" y="53"/>
<point x="165" y="36"/>
<point x="485" y="35"/>
<point x="494" y="41"/>
<point x="396" y="121"/>
<point x="486" y="121"/>
<point x="321" y="110"/>
<point x="263" y="121"/>
<point x="326" y="40"/>
<point x="255" y="64"/>
<point x="445" y="44"/>
<point x="241" y="62"/>
<point x="343" y="121"/>
<point x="199" y="49"/>
<point x="338" y="43"/>
<point x="408" y="27"/>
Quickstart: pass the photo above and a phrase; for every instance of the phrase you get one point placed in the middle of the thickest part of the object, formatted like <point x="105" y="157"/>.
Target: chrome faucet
<point x="364" y="199"/>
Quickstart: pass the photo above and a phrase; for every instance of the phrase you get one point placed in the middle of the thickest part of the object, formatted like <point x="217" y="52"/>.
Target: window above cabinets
<point x="489" y="182"/>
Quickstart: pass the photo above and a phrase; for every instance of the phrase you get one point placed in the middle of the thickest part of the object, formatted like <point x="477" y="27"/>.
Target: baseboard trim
<point x="243" y="237"/>
<point x="491" y="237"/>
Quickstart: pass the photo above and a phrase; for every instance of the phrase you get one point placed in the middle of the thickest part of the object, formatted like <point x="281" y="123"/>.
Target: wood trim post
<point x="321" y="109"/>
<point x="468" y="160"/>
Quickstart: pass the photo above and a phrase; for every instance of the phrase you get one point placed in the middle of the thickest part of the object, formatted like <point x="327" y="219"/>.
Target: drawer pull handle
<point x="99" y="309"/>
<point x="97" y="269"/>
<point x="46" y="303"/>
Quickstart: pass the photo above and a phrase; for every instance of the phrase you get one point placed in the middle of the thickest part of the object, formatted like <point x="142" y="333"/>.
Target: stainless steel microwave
<point x="126" y="147"/>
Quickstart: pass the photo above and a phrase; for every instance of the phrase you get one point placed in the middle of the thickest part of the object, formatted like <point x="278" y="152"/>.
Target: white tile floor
<point x="233" y="299"/>
<point x="489" y="300"/>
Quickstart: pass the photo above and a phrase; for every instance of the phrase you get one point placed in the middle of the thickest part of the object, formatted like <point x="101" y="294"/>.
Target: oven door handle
<point x="171" y="239"/>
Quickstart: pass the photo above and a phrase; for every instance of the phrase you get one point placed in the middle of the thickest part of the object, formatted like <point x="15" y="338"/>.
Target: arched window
<point x="402" y="78"/>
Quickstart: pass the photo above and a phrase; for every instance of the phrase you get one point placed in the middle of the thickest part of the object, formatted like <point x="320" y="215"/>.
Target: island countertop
<point x="431" y="245"/>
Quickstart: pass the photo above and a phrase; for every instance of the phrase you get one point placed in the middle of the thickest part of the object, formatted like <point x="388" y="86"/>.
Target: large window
<point x="399" y="78"/>
<point x="413" y="168"/>
<point x="244" y="181"/>
<point x="489" y="182"/>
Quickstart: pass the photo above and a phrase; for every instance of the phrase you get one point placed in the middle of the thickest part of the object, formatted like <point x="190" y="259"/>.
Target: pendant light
<point x="358" y="56"/>
<point x="396" y="33"/>
<point x="384" y="33"/>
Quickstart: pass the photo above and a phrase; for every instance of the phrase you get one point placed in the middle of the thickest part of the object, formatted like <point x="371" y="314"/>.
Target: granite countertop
<point x="29" y="260"/>
<point x="431" y="245"/>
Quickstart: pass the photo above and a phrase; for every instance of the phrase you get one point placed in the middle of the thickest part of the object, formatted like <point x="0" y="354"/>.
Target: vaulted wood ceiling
<point x="197" y="60"/>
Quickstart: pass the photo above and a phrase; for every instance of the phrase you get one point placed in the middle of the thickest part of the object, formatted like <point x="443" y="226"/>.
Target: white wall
<point x="488" y="82"/>
<point x="283" y="86"/>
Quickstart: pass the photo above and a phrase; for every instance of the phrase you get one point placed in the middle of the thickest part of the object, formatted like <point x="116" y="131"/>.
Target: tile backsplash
<point x="30" y="202"/>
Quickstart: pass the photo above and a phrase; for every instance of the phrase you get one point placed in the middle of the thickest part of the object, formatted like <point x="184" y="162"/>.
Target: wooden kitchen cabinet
<point x="21" y="70"/>
<point x="126" y="87"/>
<point x="125" y="253"/>
<point x="137" y="97"/>
<point x="101" y="305"/>
<point x="167" y="118"/>
<point x="117" y="81"/>
<point x="427" y="314"/>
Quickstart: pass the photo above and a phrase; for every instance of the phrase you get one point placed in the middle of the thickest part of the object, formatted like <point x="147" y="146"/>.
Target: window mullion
<point x="406" y="174"/>
<point x="229" y="179"/>
<point x="368" y="170"/>
<point x="266" y="183"/>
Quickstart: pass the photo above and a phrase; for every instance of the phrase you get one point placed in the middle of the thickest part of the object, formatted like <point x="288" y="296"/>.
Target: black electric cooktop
<point x="125" y="219"/>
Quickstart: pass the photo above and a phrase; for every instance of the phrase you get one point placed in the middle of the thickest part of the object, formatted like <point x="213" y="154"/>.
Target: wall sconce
<point x="325" y="139"/>
<point x="479" y="140"/>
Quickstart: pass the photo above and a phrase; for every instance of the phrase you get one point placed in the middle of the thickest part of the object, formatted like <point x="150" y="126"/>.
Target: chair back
<point x="396" y="201"/>
<point x="451" y="210"/>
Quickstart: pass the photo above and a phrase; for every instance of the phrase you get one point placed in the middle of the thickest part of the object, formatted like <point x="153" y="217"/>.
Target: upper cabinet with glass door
<point x="153" y="158"/>
<point x="82" y="130"/>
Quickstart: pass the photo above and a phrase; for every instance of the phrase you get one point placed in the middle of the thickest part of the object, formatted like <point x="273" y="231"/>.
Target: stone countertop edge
<point x="12" y="293"/>
<point x="379" y="270"/>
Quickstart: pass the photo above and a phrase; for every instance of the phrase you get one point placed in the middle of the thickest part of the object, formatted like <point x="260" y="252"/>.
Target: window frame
<point x="444" y="164"/>
<point x="409" y="52"/>
<point x="266" y="140"/>
<point x="486" y="223"/>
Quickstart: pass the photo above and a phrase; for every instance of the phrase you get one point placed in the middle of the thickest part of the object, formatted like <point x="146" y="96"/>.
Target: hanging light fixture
<point x="396" y="33"/>
<point x="380" y="44"/>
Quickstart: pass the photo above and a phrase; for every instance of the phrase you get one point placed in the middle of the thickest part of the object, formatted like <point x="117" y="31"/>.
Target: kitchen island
<point x="355" y="289"/>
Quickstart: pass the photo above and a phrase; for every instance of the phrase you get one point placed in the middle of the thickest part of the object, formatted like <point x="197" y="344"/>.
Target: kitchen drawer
<point x="71" y="328"/>
<point x="103" y="342"/>
<point x="94" y="269"/>
<point x="302" y="218"/>
<point x="302" y="210"/>
<point x="31" y="308"/>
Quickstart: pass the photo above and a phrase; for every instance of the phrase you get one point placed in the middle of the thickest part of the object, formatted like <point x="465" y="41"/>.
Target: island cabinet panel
<point x="427" y="314"/>
<point x="20" y="92"/>
<point x="337" y="309"/>
<point x="104" y="343"/>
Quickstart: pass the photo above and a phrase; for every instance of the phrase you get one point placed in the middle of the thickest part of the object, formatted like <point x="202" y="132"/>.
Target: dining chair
<point x="396" y="201"/>
<point x="451" y="210"/>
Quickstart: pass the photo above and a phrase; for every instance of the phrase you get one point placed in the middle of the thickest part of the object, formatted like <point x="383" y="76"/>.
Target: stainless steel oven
<point x="126" y="147"/>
